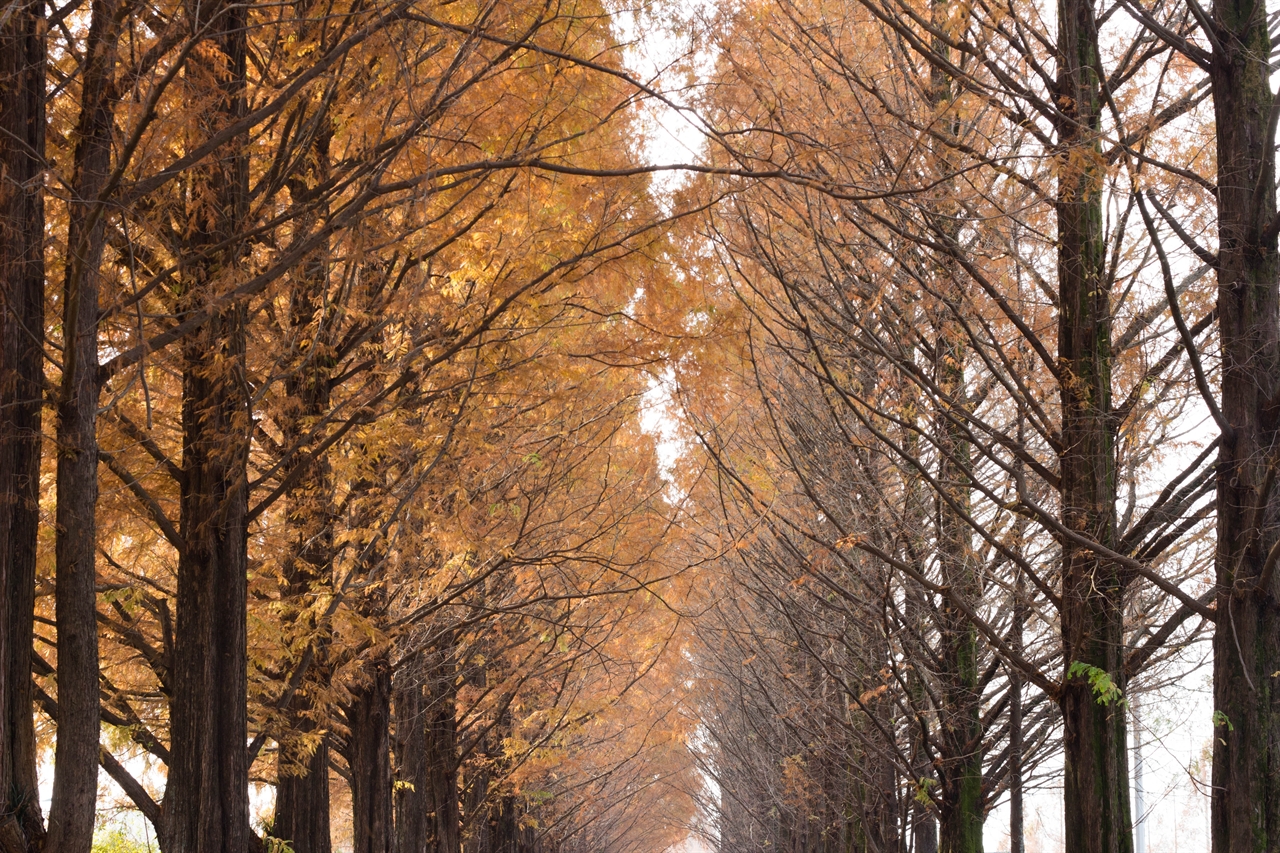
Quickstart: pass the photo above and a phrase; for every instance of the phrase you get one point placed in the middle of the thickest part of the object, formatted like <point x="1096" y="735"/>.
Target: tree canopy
<point x="389" y="462"/>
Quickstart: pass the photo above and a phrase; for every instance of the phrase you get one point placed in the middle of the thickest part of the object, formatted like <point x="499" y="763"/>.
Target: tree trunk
<point x="504" y="826"/>
<point x="880" y="812"/>
<point x="427" y="815"/>
<point x="75" y="781"/>
<point x="924" y="830"/>
<point x="1245" y="811"/>
<point x="962" y="804"/>
<point x="1016" y="829"/>
<point x="207" y="798"/>
<point x="302" y="803"/>
<point x="1096" y="786"/>
<point x="22" y="97"/>
<point x="963" y="800"/>
<point x="415" y="830"/>
<point x="915" y="512"/>
<point x="476" y="837"/>
<point x="442" y="747"/>
<point x="302" y="780"/>
<point x="369" y="758"/>
<point x="961" y="733"/>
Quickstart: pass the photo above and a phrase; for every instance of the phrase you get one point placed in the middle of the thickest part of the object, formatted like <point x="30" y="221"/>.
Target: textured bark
<point x="916" y="507"/>
<point x="924" y="830"/>
<point x="475" y="836"/>
<point x="302" y="781"/>
<point x="1096" y="787"/>
<point x="415" y="830"/>
<point x="427" y="815"/>
<point x="369" y="759"/>
<point x="207" y="798"/>
<point x="504" y="827"/>
<point x="1016" y="827"/>
<point x="961" y="732"/>
<point x="879" y="827"/>
<point x="1245" y="811"/>
<point x="75" y="781"/>
<point x="959" y="767"/>
<point x="302" y="802"/>
<point x="22" y="96"/>
<point x="442" y="748"/>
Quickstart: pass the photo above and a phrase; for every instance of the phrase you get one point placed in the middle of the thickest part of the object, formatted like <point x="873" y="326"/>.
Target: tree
<point x="22" y="306"/>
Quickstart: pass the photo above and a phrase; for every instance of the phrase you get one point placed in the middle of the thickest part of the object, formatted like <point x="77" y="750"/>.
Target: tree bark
<point x="75" y="781"/>
<point x="1016" y="828"/>
<point x="428" y="816"/>
<point x="442" y="748"/>
<point x="369" y="758"/>
<point x="1096" y="788"/>
<point x="22" y="103"/>
<point x="924" y="830"/>
<point x="915" y="512"/>
<point x="415" y="832"/>
<point x="302" y="781"/>
<point x="961" y="732"/>
<point x="302" y="800"/>
<point x="1245" y="810"/>
<point x="504" y="826"/>
<point x="207" y="798"/>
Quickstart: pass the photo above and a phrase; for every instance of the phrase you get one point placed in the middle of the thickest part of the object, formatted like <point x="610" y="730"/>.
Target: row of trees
<point x="994" y="441"/>
<point x="320" y="460"/>
<point x="325" y="337"/>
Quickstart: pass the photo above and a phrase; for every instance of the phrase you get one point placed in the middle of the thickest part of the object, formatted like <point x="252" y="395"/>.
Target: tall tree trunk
<point x="1246" y="744"/>
<point x="415" y="830"/>
<point x="924" y="829"/>
<point x="75" y="781"/>
<point x="915" y="514"/>
<point x="961" y="732"/>
<point x="302" y="800"/>
<point x="207" y="798"/>
<point x="505" y="835"/>
<point x="881" y="825"/>
<point x="442" y="746"/>
<point x="962" y="803"/>
<point x="1096" y="788"/>
<point x="924" y="822"/>
<point x="1016" y="829"/>
<point x="427" y="814"/>
<point x="369" y="759"/>
<point x="476" y="836"/>
<point x="504" y="825"/>
<point x="22" y="101"/>
<point x="302" y="779"/>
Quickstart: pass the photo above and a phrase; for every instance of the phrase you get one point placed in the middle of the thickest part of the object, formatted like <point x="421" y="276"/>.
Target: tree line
<point x="327" y="329"/>
<point x="321" y="472"/>
<point x="986" y="409"/>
